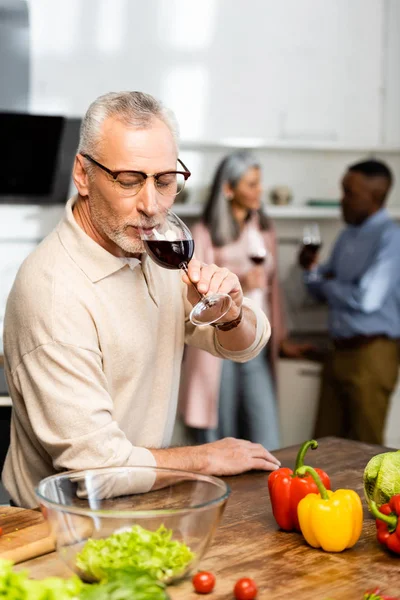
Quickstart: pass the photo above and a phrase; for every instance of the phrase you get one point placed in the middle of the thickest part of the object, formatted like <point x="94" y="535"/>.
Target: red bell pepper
<point x="388" y="523"/>
<point x="286" y="489"/>
<point x="376" y="595"/>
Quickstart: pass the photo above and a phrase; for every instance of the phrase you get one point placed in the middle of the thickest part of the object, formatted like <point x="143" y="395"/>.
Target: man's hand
<point x="329" y="275"/>
<point x="232" y="457"/>
<point x="308" y="258"/>
<point x="210" y="279"/>
<point x="290" y="349"/>
<point x="224" y="457"/>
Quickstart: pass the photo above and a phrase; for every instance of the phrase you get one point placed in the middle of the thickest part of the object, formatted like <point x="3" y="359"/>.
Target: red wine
<point x="170" y="255"/>
<point x="257" y="260"/>
<point x="313" y="247"/>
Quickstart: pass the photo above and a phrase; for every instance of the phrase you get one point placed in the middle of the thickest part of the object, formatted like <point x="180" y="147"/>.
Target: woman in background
<point x="220" y="398"/>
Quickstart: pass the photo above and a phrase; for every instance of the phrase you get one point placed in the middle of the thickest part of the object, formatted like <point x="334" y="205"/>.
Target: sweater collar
<point x="94" y="260"/>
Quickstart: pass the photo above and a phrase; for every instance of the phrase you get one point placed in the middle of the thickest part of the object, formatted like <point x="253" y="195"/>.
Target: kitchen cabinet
<point x="309" y="72"/>
<point x="299" y="382"/>
<point x="392" y="433"/>
<point x="298" y="399"/>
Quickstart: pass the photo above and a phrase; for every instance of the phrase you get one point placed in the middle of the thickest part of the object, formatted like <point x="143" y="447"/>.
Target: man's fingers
<point x="194" y="270"/>
<point x="231" y="456"/>
<point x="259" y="451"/>
<point x="271" y="458"/>
<point x="263" y="465"/>
<point x="230" y="285"/>
<point x="211" y="279"/>
<point x="207" y="271"/>
<point x="217" y="279"/>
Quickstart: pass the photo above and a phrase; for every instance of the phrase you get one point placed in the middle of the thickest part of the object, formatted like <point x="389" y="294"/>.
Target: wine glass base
<point x="210" y="310"/>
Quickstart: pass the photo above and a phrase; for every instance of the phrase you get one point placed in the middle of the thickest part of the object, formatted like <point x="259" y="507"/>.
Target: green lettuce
<point x="53" y="588"/>
<point x="127" y="584"/>
<point x="154" y="552"/>
<point x="16" y="586"/>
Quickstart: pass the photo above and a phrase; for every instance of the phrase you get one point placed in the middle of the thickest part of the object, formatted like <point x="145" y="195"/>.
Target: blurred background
<point x="310" y="86"/>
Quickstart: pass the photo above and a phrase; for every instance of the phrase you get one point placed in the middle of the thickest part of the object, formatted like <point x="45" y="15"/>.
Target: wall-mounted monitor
<point x="38" y="153"/>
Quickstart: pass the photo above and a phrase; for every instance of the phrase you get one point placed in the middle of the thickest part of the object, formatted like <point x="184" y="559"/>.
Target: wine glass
<point x="257" y="252"/>
<point x="259" y="256"/>
<point x="311" y="245"/>
<point x="170" y="245"/>
<point x="312" y="238"/>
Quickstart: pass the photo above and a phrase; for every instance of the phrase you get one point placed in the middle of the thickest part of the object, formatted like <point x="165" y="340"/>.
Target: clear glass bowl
<point x="97" y="503"/>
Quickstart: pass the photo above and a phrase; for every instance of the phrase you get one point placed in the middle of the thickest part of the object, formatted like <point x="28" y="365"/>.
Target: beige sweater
<point x="93" y="352"/>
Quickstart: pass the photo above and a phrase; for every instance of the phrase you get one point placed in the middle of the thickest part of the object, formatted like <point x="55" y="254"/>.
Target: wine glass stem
<point x="184" y="267"/>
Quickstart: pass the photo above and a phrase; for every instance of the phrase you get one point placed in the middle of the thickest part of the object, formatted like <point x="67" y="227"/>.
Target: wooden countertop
<point x="249" y="544"/>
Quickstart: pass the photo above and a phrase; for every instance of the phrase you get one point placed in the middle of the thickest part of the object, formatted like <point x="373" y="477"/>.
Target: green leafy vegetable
<point x="53" y="588"/>
<point x="17" y="586"/>
<point x="154" y="552"/>
<point x="127" y="584"/>
<point x="382" y="477"/>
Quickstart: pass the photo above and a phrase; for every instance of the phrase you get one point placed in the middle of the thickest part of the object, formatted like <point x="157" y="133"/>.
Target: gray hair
<point x="132" y="108"/>
<point x="217" y="213"/>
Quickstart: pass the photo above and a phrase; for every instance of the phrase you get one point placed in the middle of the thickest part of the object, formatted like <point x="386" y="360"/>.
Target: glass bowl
<point x="162" y="520"/>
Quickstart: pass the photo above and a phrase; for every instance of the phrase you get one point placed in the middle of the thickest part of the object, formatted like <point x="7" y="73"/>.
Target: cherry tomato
<point x="245" y="589"/>
<point x="203" y="582"/>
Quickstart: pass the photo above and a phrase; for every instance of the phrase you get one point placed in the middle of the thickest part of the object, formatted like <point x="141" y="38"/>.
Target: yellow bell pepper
<point x="330" y="520"/>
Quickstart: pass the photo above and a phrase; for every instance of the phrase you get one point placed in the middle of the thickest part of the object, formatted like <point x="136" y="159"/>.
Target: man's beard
<point x="126" y="243"/>
<point x="118" y="233"/>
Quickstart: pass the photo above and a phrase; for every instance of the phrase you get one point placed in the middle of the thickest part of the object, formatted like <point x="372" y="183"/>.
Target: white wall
<point x="299" y="70"/>
<point x="314" y="84"/>
<point x="391" y="74"/>
<point x="311" y="174"/>
<point x="294" y="72"/>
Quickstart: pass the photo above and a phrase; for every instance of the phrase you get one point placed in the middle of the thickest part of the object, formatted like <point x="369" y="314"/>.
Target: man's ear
<point x="80" y="176"/>
<point x="380" y="190"/>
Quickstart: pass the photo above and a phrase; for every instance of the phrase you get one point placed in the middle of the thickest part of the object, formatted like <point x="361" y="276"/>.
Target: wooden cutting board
<point x="25" y="534"/>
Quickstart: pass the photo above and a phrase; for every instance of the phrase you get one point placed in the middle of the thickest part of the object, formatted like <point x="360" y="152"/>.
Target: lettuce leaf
<point x="16" y="586"/>
<point x="53" y="588"/>
<point x="154" y="552"/>
<point x="127" y="584"/>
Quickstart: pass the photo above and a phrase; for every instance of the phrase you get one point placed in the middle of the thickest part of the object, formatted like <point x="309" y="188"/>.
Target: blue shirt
<point x="364" y="295"/>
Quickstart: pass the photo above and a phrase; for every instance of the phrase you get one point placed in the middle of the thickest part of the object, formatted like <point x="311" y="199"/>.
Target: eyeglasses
<point x="168" y="183"/>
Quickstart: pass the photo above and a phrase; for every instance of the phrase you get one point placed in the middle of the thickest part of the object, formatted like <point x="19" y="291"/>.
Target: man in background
<point x="361" y="285"/>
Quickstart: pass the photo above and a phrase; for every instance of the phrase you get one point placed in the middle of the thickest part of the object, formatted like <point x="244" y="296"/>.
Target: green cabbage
<point x="154" y="552"/>
<point x="382" y="477"/>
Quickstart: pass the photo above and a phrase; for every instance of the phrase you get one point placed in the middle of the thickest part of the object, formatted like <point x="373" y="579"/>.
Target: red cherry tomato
<point x="203" y="582"/>
<point x="245" y="589"/>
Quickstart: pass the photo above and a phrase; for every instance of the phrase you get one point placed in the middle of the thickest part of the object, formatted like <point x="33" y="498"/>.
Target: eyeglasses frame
<point x="114" y="174"/>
